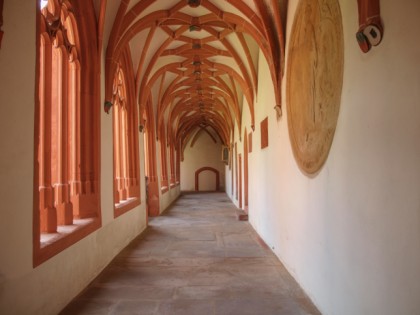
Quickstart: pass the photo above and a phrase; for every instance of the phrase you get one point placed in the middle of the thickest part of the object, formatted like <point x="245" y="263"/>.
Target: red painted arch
<point x="207" y="168"/>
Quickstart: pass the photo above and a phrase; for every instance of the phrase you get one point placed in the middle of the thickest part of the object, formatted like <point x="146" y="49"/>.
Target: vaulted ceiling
<point x="195" y="62"/>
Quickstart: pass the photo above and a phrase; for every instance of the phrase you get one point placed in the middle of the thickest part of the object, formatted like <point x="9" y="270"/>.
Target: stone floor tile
<point x="203" y="292"/>
<point x="140" y="276"/>
<point x="196" y="258"/>
<point x="121" y="292"/>
<point x="135" y="308"/>
<point x="244" y="252"/>
<point x="257" y="306"/>
<point x="186" y="307"/>
<point x="211" y="276"/>
<point x="88" y="307"/>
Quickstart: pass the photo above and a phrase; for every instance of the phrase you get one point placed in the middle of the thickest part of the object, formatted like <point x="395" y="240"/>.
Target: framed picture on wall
<point x="225" y="155"/>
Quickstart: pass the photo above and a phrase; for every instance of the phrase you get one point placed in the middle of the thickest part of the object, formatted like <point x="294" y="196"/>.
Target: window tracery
<point x="163" y="159"/>
<point x="126" y="170"/>
<point x="67" y="206"/>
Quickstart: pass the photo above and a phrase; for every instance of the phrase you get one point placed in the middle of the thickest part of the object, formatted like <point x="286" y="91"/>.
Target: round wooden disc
<point x="314" y="81"/>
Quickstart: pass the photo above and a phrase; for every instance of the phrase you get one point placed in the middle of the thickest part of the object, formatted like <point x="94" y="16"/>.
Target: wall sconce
<point x="371" y="30"/>
<point x="142" y="125"/>
<point x="278" y="110"/>
<point x="107" y="106"/>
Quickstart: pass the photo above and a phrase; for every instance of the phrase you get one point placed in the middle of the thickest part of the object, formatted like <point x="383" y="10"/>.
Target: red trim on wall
<point x="240" y="179"/>
<point x="125" y="121"/>
<point x="101" y="26"/>
<point x="236" y="171"/>
<point x="172" y="181"/>
<point x="246" y="184"/>
<point x="264" y="133"/>
<point x="207" y="168"/>
<point x="231" y="167"/>
<point x="153" y="190"/>
<point x="1" y="21"/>
<point x="164" y="183"/>
<point x="36" y="224"/>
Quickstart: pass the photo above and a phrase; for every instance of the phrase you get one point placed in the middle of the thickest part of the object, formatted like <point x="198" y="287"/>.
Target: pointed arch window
<point x="164" y="183"/>
<point x="172" y="165"/>
<point x="126" y="159"/>
<point x="66" y="136"/>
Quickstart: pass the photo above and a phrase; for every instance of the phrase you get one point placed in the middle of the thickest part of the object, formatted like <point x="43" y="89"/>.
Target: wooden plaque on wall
<point x="314" y="81"/>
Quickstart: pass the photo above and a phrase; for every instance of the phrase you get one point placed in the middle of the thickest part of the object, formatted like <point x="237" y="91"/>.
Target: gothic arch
<point x="126" y="156"/>
<point x="210" y="78"/>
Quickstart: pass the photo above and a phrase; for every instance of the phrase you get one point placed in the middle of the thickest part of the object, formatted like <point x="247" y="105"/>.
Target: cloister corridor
<point x="138" y="136"/>
<point x="196" y="258"/>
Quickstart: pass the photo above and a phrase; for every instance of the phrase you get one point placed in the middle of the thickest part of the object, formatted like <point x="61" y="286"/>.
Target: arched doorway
<point x="207" y="168"/>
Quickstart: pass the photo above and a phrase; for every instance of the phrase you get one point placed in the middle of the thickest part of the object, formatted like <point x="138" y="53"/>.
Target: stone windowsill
<point x="64" y="230"/>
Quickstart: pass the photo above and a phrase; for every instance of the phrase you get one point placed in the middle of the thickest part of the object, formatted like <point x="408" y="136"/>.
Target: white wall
<point x="168" y="197"/>
<point x="246" y="123"/>
<point x="204" y="153"/>
<point x="47" y="288"/>
<point x="351" y="235"/>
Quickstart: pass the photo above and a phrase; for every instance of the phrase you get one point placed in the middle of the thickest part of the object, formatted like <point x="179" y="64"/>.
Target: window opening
<point x="163" y="159"/>
<point x="67" y="200"/>
<point x="126" y="170"/>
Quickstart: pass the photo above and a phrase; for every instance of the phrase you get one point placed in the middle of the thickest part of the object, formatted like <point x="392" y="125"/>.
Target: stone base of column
<point x="123" y="194"/>
<point x="133" y="192"/>
<point x="48" y="220"/>
<point x="85" y="206"/>
<point x="64" y="213"/>
<point x="153" y="199"/>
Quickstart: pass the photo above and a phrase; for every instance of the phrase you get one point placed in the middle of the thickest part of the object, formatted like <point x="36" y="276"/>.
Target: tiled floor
<point x="195" y="259"/>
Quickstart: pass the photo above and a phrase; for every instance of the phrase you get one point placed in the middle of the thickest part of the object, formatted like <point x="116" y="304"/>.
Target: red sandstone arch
<point x="207" y="168"/>
<point x="125" y="122"/>
<point x="193" y="87"/>
<point x="66" y="161"/>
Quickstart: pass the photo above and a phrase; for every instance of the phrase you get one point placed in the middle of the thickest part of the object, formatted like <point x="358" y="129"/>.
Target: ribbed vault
<point x="195" y="63"/>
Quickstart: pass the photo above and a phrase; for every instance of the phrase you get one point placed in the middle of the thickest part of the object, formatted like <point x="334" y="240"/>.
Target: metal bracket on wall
<point x="371" y="30"/>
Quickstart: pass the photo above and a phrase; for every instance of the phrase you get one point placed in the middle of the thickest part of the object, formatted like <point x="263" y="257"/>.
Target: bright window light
<point x="44" y="3"/>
